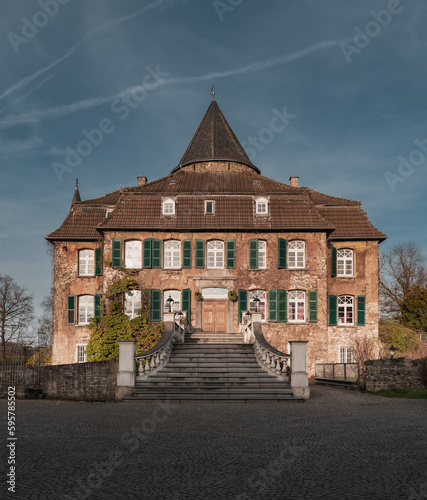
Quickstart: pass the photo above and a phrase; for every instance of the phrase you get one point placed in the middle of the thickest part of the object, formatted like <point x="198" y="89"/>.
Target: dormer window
<point x="261" y="206"/>
<point x="168" y="207"/>
<point x="209" y="207"/>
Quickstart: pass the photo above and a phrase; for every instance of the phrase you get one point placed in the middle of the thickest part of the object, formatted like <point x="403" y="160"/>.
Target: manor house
<point x="214" y="239"/>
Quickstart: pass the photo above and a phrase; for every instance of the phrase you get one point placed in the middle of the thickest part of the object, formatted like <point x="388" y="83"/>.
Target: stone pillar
<point x="256" y="320"/>
<point x="126" y="374"/>
<point x="299" y="375"/>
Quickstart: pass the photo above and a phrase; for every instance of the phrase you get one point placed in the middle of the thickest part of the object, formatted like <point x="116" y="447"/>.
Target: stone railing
<point x="156" y="358"/>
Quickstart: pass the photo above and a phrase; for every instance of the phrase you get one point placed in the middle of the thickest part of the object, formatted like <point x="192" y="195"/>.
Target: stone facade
<point x="383" y="374"/>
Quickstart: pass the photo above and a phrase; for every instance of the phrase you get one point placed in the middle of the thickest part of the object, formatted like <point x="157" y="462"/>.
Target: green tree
<point x="113" y="324"/>
<point x="414" y="310"/>
<point x="402" y="338"/>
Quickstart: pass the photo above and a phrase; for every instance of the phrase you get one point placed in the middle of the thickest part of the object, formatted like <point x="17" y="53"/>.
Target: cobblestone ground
<point x="339" y="445"/>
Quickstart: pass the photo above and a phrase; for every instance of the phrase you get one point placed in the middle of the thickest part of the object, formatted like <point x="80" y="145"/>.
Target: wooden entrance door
<point x="214" y="315"/>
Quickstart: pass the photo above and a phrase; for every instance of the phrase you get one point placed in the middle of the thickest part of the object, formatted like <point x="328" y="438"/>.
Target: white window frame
<point x="176" y="296"/>
<point x="213" y="207"/>
<point x="86" y="309"/>
<point x="132" y="303"/>
<point x="172" y="254"/>
<point x="262" y="295"/>
<point x="346" y="354"/>
<point x="168" y="206"/>
<point x="345" y="306"/>
<point x="261" y="206"/>
<point x="262" y="254"/>
<point x="86" y="262"/>
<point x="81" y="357"/>
<point x="215" y="251"/>
<point x="295" y="299"/>
<point x="296" y="254"/>
<point x="345" y="260"/>
<point x="133" y="254"/>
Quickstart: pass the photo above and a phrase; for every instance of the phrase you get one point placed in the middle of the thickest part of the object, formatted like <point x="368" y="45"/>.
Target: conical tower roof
<point x="214" y="140"/>
<point x="76" y="196"/>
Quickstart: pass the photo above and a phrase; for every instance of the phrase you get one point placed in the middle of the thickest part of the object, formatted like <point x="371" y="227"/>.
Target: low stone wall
<point x="95" y="381"/>
<point x="400" y="373"/>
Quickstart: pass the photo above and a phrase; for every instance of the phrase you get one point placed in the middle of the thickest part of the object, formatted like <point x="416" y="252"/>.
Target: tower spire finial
<point x="213" y="92"/>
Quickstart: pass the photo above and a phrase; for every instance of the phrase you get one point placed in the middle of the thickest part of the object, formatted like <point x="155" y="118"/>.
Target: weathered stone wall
<point x="218" y="166"/>
<point x="394" y="374"/>
<point x="80" y="381"/>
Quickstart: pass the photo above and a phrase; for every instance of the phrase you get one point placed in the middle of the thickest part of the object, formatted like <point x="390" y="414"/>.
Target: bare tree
<point x="402" y="268"/>
<point x="364" y="349"/>
<point x="16" y="311"/>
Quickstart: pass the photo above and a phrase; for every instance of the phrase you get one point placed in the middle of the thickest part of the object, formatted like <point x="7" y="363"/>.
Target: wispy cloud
<point x="18" y="147"/>
<point x="28" y="79"/>
<point x="35" y="116"/>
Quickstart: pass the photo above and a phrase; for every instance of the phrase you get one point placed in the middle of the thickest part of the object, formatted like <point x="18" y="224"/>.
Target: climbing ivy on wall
<point x="113" y="324"/>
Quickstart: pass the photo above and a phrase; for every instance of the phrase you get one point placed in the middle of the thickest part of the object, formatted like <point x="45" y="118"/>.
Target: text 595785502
<point x="11" y="438"/>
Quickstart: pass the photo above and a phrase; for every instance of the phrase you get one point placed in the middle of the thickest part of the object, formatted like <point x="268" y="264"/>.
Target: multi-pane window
<point x="262" y="206"/>
<point x="296" y="303"/>
<point x="215" y="254"/>
<point x="81" y="353"/>
<point x="345" y="262"/>
<point x="132" y="303"/>
<point x="296" y="254"/>
<point x="168" y="305"/>
<point x="168" y="207"/>
<point x="86" y="309"/>
<point x="172" y="257"/>
<point x="86" y="262"/>
<point x="345" y="310"/>
<point x="346" y="355"/>
<point x="209" y="207"/>
<point x="262" y="254"/>
<point x="261" y="295"/>
<point x="133" y="254"/>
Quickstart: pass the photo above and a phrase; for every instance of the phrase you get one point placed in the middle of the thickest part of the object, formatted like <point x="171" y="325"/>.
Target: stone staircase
<point x="213" y="367"/>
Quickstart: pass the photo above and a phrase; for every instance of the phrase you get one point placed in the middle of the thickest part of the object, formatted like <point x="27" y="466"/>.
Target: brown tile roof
<point x="80" y="224"/>
<point x="350" y="223"/>
<point x="214" y="140"/>
<point x="232" y="212"/>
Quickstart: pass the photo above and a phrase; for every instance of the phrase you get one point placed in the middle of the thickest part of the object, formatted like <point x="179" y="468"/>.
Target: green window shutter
<point x="97" y="305"/>
<point x="333" y="310"/>
<point x="98" y="262"/>
<point x="333" y="262"/>
<point x="71" y="304"/>
<point x="156" y="253"/>
<point x="200" y="254"/>
<point x="361" y="300"/>
<point x="156" y="305"/>
<point x="186" y="302"/>
<point x="242" y="302"/>
<point x="186" y="254"/>
<point x="282" y="306"/>
<point x="312" y="306"/>
<point x="147" y="253"/>
<point x="253" y="254"/>
<point x="231" y="254"/>
<point x="282" y="253"/>
<point x="117" y="254"/>
<point x="272" y="305"/>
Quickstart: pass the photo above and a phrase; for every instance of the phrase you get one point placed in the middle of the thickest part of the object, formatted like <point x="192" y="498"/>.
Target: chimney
<point x="142" y="180"/>
<point x="294" y="181"/>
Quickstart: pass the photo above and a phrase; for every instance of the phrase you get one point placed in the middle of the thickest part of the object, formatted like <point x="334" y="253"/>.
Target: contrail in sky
<point x="35" y="116"/>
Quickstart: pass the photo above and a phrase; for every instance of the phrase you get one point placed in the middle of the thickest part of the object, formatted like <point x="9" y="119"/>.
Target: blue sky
<point x="144" y="69"/>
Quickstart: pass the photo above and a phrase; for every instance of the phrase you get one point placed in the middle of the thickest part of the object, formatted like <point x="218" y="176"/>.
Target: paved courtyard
<point x="339" y="445"/>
